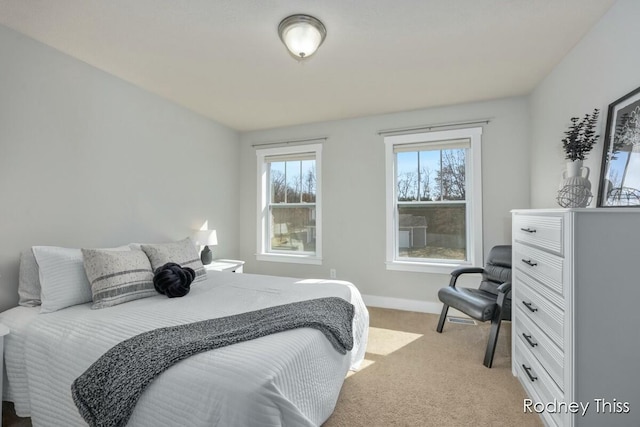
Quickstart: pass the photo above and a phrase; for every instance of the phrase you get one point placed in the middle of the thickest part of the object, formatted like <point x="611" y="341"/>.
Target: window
<point x="289" y="215"/>
<point x="434" y="200"/>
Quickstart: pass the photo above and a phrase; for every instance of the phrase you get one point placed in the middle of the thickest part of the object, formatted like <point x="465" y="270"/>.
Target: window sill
<point x="423" y="267"/>
<point x="293" y="259"/>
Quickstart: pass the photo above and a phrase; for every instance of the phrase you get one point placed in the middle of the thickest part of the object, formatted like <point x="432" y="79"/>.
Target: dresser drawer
<point x="538" y="384"/>
<point x="543" y="290"/>
<point x="540" y="265"/>
<point x="543" y="231"/>
<point x="544" y="314"/>
<point x="540" y="345"/>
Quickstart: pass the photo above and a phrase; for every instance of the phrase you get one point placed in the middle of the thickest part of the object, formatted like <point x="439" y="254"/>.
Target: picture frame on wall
<point x="620" y="173"/>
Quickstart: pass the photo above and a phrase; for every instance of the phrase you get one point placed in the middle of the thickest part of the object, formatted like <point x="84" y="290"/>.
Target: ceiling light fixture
<point x="302" y="35"/>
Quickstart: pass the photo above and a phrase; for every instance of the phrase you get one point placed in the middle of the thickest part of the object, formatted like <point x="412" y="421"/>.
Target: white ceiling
<point x="223" y="58"/>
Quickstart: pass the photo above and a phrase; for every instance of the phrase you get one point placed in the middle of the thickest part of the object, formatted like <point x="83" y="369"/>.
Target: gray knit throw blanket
<point x="107" y="392"/>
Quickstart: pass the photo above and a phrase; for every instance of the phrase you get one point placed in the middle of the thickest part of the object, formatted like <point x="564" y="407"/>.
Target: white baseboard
<point x="402" y="304"/>
<point x="408" y="305"/>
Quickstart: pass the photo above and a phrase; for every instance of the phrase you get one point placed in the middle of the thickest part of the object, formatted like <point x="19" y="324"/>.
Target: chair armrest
<point x="503" y="291"/>
<point x="460" y="271"/>
<point x="505" y="288"/>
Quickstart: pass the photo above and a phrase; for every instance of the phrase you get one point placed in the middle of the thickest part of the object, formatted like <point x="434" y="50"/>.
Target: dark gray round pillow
<point x="173" y="280"/>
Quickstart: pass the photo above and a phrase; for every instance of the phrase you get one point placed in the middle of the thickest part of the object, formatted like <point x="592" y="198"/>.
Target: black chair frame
<point x="504" y="290"/>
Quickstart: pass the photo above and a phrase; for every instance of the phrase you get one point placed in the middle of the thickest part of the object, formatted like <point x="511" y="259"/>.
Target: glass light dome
<point x="302" y="35"/>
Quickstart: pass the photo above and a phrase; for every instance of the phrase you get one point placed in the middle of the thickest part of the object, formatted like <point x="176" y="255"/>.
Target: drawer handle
<point x="531" y="377"/>
<point x="528" y="305"/>
<point x="528" y="230"/>
<point x="528" y="338"/>
<point x="529" y="262"/>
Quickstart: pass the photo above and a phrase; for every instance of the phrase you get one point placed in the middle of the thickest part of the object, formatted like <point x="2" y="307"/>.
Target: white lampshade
<point x="205" y="237"/>
<point x="302" y="35"/>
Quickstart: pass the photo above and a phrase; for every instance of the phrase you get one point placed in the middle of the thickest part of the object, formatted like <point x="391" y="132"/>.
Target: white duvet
<point x="291" y="378"/>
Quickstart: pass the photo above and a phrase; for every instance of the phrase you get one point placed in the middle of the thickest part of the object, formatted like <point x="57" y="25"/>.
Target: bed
<point x="289" y="378"/>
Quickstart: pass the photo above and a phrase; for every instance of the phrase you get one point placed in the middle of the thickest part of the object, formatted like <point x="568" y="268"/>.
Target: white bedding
<point x="289" y="378"/>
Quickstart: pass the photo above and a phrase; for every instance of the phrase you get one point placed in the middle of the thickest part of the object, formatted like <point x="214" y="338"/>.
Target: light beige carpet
<point x="414" y="376"/>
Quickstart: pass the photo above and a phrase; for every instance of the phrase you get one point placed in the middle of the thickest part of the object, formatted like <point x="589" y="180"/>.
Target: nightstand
<point x="3" y="331"/>
<point x="232" y="265"/>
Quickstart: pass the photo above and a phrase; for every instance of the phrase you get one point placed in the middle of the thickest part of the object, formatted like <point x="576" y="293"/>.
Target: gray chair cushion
<point x="475" y="303"/>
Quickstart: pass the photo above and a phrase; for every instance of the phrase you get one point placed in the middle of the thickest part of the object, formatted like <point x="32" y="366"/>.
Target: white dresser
<point x="576" y="314"/>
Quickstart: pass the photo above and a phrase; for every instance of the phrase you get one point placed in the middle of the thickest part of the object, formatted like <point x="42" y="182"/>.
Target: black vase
<point x="206" y="256"/>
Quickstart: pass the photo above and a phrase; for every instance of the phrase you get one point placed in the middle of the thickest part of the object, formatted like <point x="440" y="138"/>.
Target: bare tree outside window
<point x="309" y="185"/>
<point x="407" y="186"/>
<point x="426" y="193"/>
<point x="451" y="176"/>
<point x="278" y="186"/>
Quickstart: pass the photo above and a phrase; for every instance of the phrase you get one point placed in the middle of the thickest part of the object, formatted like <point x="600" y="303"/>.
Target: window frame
<point x="473" y="173"/>
<point x="264" y="201"/>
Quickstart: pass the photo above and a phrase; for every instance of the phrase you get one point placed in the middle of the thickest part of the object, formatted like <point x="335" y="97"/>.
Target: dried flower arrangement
<point x="581" y="136"/>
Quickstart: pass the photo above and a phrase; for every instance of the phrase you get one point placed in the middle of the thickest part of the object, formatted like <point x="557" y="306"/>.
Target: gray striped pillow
<point x="182" y="252"/>
<point x="117" y="277"/>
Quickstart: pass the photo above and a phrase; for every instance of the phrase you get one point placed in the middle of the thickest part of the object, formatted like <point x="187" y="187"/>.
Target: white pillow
<point x="28" y="280"/>
<point x="62" y="277"/>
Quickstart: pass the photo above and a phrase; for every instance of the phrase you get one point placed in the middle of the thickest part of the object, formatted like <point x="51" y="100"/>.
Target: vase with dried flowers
<point x="575" y="188"/>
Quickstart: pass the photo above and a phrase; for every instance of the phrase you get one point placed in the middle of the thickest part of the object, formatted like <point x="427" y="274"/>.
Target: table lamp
<point x="206" y="238"/>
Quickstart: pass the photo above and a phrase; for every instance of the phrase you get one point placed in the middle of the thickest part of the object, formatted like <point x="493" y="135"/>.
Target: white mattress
<point x="289" y="378"/>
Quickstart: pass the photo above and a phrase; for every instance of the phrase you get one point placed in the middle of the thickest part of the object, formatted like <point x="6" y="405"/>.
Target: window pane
<point x="451" y="176"/>
<point x="293" y="181"/>
<point x="429" y="169"/>
<point x="407" y="176"/>
<point x="436" y="231"/>
<point x="308" y="181"/>
<point x="277" y="184"/>
<point x="293" y="229"/>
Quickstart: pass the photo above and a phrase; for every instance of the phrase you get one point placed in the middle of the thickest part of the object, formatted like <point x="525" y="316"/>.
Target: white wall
<point x="601" y="68"/>
<point x="88" y="160"/>
<point x="354" y="193"/>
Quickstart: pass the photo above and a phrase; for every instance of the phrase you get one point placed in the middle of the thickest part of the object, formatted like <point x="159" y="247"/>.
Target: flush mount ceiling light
<point x="302" y="35"/>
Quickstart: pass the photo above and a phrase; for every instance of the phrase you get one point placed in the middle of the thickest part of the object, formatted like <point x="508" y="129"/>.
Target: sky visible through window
<point x="419" y="174"/>
<point x="300" y="181"/>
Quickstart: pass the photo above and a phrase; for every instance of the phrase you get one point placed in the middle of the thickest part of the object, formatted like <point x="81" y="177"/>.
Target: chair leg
<point x="495" y="330"/>
<point x="493" y="340"/>
<point x="443" y="317"/>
